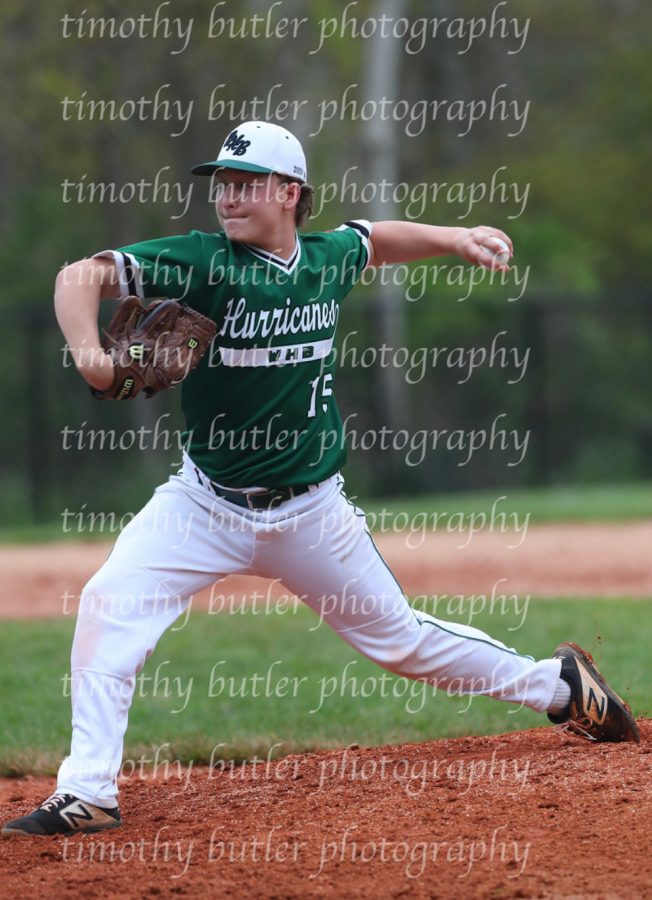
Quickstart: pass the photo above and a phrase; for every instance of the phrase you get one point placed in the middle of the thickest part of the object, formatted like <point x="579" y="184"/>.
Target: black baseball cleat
<point x="595" y="711"/>
<point x="64" y="814"/>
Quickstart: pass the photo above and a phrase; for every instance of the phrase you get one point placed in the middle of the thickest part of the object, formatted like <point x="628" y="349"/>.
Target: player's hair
<point x="303" y="209"/>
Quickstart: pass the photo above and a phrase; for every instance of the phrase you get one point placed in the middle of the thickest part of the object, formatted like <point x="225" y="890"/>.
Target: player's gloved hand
<point x="152" y="348"/>
<point x="482" y="246"/>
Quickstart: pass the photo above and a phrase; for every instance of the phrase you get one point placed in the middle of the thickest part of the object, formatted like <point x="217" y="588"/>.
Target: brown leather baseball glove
<point x="153" y="347"/>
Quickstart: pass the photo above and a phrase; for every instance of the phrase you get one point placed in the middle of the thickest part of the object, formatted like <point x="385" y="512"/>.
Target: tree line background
<point x="586" y="315"/>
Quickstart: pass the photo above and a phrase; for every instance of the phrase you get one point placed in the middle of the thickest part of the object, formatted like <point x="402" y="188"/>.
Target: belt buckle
<point x="249" y="500"/>
<point x="251" y="496"/>
<point x="275" y="500"/>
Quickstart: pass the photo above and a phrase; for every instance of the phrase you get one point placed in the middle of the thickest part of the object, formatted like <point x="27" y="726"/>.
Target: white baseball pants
<point x="319" y="547"/>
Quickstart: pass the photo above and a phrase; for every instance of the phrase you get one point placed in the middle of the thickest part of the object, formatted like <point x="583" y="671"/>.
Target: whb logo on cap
<point x="236" y="143"/>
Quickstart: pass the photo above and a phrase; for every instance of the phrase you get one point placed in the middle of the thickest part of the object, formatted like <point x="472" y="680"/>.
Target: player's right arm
<point x="79" y="289"/>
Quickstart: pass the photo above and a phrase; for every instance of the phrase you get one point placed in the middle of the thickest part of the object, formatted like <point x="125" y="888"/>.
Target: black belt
<point x="254" y="500"/>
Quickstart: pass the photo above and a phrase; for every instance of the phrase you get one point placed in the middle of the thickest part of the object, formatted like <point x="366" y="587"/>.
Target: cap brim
<point x="210" y="167"/>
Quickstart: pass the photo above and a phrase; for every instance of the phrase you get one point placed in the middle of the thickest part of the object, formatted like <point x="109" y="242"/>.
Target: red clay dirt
<point x="546" y="560"/>
<point x="531" y="814"/>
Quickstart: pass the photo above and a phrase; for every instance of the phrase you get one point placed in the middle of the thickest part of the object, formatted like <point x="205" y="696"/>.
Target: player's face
<point x="251" y="207"/>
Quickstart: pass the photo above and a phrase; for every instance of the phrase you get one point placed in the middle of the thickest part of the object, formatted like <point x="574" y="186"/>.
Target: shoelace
<point x="579" y="726"/>
<point x="53" y="801"/>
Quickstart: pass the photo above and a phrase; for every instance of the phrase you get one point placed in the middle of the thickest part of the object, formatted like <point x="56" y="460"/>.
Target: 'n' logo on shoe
<point x="76" y="813"/>
<point x="595" y="699"/>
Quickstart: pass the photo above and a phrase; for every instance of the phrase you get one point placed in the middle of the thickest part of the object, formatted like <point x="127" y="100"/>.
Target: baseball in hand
<point x="500" y="250"/>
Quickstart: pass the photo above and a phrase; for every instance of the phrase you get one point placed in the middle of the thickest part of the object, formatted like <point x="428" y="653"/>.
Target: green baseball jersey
<point x="260" y="408"/>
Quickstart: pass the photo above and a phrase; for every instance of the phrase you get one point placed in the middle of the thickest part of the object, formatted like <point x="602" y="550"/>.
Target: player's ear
<point x="288" y="193"/>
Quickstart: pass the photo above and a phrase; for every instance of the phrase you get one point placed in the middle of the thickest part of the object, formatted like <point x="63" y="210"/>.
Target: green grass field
<point x="179" y="716"/>
<point x="609" y="503"/>
<point x="590" y="503"/>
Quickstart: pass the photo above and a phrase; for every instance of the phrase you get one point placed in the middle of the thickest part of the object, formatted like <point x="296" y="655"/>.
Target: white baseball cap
<point x="259" y="147"/>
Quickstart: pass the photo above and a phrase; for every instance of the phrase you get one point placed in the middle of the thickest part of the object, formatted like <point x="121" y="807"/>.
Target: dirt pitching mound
<point x="530" y="814"/>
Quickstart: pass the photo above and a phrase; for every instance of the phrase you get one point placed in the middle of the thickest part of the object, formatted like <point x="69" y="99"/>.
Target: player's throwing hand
<point x="484" y="246"/>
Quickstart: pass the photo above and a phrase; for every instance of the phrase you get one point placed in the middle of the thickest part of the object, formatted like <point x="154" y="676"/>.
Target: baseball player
<point x="260" y="490"/>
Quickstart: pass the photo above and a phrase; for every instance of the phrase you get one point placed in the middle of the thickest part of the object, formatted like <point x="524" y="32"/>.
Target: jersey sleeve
<point x="351" y="245"/>
<point x="165" y="267"/>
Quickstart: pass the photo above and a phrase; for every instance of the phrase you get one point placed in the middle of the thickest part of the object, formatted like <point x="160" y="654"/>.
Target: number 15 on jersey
<point x="320" y="393"/>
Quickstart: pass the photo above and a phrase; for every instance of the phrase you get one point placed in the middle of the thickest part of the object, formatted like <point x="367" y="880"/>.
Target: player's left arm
<point x="401" y="242"/>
